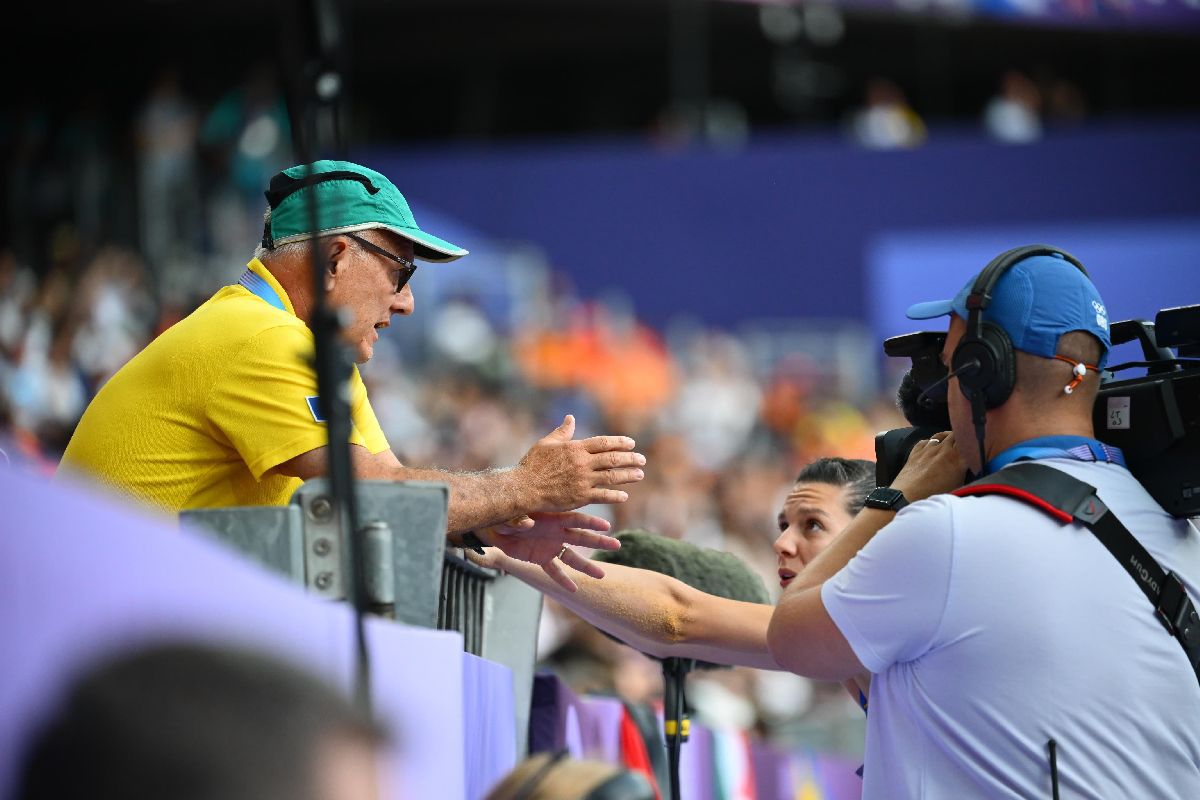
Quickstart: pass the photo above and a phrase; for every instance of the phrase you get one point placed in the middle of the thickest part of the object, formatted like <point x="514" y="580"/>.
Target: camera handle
<point x="1158" y="359"/>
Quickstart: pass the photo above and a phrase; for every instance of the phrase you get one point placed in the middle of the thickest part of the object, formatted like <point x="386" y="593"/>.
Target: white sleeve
<point x="889" y="599"/>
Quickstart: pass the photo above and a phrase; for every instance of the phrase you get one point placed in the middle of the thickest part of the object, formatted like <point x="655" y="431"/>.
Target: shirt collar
<point x="258" y="268"/>
<point x="1080" y="448"/>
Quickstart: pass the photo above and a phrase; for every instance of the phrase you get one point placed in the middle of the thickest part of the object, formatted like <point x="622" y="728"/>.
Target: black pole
<point x="675" y="717"/>
<point x="315" y="79"/>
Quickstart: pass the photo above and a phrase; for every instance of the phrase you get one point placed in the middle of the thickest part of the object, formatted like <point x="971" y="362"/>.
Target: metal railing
<point x="462" y="600"/>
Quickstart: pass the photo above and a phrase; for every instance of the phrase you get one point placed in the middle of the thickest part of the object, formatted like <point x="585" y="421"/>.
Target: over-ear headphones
<point x="983" y="361"/>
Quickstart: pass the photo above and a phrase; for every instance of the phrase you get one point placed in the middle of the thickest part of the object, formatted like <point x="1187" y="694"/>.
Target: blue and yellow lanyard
<point x="1080" y="448"/>
<point x="261" y="289"/>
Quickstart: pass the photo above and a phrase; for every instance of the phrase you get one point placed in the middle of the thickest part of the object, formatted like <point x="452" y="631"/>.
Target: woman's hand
<point x="544" y="538"/>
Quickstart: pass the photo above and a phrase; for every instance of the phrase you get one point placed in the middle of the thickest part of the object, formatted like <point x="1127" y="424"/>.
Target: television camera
<point x="1153" y="418"/>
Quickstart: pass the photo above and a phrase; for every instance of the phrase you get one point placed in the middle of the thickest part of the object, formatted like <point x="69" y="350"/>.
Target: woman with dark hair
<point x="823" y="486"/>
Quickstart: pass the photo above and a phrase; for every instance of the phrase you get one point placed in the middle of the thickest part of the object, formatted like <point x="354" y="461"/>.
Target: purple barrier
<point x="490" y="736"/>
<point x="824" y="776"/>
<point x="712" y="764"/>
<point x="697" y="770"/>
<point x="772" y="772"/>
<point x="588" y="727"/>
<point x="83" y="576"/>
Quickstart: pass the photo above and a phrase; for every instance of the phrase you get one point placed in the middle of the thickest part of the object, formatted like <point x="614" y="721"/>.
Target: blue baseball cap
<point x="1036" y="301"/>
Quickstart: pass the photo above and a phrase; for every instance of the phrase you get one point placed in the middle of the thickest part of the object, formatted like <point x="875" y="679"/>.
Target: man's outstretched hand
<point x="560" y="473"/>
<point x="540" y="538"/>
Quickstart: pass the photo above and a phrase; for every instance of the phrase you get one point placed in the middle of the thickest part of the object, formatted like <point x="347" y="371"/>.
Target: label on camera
<point x="1118" y="413"/>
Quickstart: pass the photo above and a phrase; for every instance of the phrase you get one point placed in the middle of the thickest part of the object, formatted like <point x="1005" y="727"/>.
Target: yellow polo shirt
<point x="199" y="417"/>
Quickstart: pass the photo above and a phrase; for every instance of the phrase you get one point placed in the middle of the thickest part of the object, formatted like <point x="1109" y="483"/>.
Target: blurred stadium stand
<point x="689" y="221"/>
<point x="482" y="70"/>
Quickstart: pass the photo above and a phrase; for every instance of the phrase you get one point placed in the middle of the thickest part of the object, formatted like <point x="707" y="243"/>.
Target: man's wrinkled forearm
<point x="477" y="499"/>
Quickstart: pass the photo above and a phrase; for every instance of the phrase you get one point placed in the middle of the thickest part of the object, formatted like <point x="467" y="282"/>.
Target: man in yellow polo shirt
<point x="221" y="409"/>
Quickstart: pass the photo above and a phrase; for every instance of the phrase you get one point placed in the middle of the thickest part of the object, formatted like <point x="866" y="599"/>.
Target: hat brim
<point x="930" y="310"/>
<point x="428" y="247"/>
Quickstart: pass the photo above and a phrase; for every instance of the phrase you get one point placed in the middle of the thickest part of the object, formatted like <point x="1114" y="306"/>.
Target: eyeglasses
<point x="407" y="268"/>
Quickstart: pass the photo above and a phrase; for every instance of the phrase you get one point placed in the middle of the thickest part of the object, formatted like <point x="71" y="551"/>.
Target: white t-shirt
<point x="991" y="629"/>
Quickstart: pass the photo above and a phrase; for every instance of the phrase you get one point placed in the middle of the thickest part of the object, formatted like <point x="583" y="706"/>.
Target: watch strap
<point x="471" y="541"/>
<point x="886" y="498"/>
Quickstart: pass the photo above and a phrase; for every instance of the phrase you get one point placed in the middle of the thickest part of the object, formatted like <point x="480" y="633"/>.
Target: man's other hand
<point x="542" y="538"/>
<point x="934" y="467"/>
<point x="562" y="474"/>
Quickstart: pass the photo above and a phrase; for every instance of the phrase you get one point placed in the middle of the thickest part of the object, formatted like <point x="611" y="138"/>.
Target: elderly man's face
<point x="366" y="287"/>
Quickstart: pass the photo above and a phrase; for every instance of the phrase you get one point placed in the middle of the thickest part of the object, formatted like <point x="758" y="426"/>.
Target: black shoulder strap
<point x="1068" y="499"/>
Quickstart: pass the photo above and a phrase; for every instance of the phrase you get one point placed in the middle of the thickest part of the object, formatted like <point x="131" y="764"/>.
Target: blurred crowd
<point x="176" y="179"/>
<point x="115" y="227"/>
<point x="1018" y="112"/>
<point x="477" y="375"/>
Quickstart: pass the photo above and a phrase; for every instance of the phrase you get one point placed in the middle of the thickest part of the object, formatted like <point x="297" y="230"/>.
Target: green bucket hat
<point x="349" y="197"/>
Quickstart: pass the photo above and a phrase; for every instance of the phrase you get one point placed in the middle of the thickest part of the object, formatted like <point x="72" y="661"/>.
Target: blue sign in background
<point x="1139" y="267"/>
<point x="803" y="226"/>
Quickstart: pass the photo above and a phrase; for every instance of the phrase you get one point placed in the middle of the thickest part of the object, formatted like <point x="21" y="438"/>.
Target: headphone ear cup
<point x="996" y="374"/>
<point x="1004" y="366"/>
<point x="972" y="379"/>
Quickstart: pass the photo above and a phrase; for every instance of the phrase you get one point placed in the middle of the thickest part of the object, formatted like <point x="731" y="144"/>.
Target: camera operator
<point x="1011" y="653"/>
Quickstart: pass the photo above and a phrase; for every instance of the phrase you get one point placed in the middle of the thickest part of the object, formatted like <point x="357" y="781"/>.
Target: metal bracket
<point x="322" y="545"/>
<point x="404" y="535"/>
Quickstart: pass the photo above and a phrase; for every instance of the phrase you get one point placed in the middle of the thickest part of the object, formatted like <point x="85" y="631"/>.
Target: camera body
<point x="922" y="406"/>
<point x="1154" y="419"/>
<point x="893" y="447"/>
